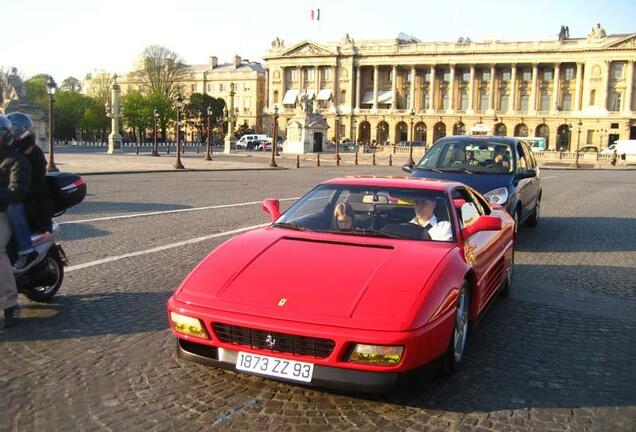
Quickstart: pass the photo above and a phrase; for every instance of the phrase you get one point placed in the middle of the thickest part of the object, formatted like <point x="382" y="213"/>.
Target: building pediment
<point x="308" y="49"/>
<point x="627" y="42"/>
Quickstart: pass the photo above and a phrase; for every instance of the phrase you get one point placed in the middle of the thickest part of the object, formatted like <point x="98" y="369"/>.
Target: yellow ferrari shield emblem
<point x="282" y="302"/>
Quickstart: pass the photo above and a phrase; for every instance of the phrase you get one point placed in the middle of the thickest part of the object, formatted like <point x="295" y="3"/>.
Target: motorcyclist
<point x="37" y="207"/>
<point x="15" y="174"/>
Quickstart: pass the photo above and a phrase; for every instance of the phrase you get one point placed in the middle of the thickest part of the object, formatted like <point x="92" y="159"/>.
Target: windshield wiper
<point x="464" y="170"/>
<point x="291" y="226"/>
<point x="430" y="169"/>
<point x="366" y="233"/>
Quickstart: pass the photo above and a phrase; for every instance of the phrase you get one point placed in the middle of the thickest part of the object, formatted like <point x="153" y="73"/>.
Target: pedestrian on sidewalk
<point x="614" y="157"/>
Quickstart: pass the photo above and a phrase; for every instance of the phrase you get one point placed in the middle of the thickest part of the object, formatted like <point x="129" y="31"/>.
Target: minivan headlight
<point x="497" y="196"/>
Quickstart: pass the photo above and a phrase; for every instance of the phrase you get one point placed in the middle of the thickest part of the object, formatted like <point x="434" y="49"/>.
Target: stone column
<point x="605" y="84"/>
<point x="376" y="75"/>
<point x="114" y="139"/>
<point x="431" y="90"/>
<point x="629" y="78"/>
<point x="513" y="88"/>
<point x="334" y="69"/>
<point x="394" y="89"/>
<point x="413" y="75"/>
<point x="556" y="87"/>
<point x="317" y="80"/>
<point x="358" y="84"/>
<point x="471" y="90"/>
<point x="451" y="89"/>
<point x="533" y="88"/>
<point x="301" y="82"/>
<point x="579" y="87"/>
<point x="491" y="96"/>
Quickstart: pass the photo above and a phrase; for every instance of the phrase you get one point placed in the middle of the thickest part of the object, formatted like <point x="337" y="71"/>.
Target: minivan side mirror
<point x="271" y="206"/>
<point x="527" y="173"/>
<point x="407" y="168"/>
<point x="484" y="223"/>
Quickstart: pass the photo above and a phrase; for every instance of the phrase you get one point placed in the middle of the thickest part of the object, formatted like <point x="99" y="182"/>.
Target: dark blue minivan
<point x="502" y="169"/>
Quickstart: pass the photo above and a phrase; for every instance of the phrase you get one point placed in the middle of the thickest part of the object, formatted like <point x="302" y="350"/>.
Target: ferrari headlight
<point x="188" y="325"/>
<point x="376" y="354"/>
<point x="497" y="196"/>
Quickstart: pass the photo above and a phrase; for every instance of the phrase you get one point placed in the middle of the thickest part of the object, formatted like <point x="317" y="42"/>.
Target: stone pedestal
<point x="114" y="139"/>
<point x="306" y="133"/>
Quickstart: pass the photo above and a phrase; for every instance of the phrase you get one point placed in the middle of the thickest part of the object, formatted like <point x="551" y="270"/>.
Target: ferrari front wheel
<point x="457" y="347"/>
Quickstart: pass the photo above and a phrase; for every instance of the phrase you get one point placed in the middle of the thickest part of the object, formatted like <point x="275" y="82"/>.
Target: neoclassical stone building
<point x="566" y="90"/>
<point x="216" y="79"/>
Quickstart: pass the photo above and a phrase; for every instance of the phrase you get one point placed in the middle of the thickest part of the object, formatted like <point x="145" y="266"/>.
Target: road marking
<point x="161" y="248"/>
<point x="549" y="177"/>
<point x="168" y="212"/>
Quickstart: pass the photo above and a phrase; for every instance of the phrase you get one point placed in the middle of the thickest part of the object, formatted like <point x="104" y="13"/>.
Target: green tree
<point x="198" y="108"/>
<point x="137" y="113"/>
<point x="165" y="108"/>
<point x="163" y="71"/>
<point x="243" y="129"/>
<point x="94" y="121"/>
<point x="71" y="84"/>
<point x="69" y="111"/>
<point x="36" y="90"/>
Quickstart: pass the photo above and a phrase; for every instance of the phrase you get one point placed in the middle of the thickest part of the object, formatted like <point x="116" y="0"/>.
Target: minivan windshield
<point x="472" y="156"/>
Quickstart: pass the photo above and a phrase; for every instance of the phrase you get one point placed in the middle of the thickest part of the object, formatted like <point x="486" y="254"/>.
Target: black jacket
<point x="38" y="202"/>
<point x="15" y="177"/>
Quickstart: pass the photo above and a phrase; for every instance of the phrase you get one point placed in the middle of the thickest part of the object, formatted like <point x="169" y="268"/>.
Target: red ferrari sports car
<point x="358" y="283"/>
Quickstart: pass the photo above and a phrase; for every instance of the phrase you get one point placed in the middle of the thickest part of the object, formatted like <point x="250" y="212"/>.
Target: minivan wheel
<point x="533" y="220"/>
<point x="517" y="218"/>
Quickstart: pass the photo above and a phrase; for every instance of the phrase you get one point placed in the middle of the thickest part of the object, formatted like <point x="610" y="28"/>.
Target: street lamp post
<point x="272" y="162"/>
<point x="230" y="121"/>
<point x="208" y="150"/>
<point x="578" y="142"/>
<point x="178" y="164"/>
<point x="411" y="161"/>
<point x="50" y="90"/>
<point x="155" y="144"/>
<point x="337" y="140"/>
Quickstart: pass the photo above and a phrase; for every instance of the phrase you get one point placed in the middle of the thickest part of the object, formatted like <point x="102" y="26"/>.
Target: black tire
<point x="517" y="218"/>
<point x="505" y="289"/>
<point x="456" y="352"/>
<point x="43" y="294"/>
<point x="533" y="220"/>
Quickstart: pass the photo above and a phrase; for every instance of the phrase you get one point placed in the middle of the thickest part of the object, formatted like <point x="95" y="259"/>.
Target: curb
<point x="86" y="173"/>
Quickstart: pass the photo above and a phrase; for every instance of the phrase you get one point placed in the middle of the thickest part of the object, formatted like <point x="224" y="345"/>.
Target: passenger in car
<point x="343" y="216"/>
<point x="425" y="217"/>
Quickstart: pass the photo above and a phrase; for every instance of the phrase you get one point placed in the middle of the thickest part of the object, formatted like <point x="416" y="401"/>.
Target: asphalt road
<point x="558" y="354"/>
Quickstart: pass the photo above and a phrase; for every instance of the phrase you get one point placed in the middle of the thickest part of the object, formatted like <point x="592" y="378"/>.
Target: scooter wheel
<point x="44" y="293"/>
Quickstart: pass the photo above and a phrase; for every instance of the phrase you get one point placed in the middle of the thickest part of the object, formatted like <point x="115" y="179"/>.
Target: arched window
<point x="500" y="129"/>
<point x="521" y="130"/>
<point x="543" y="131"/>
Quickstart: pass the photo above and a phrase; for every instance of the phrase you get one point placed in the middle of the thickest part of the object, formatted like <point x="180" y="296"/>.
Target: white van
<point x="621" y="146"/>
<point x="251" y="141"/>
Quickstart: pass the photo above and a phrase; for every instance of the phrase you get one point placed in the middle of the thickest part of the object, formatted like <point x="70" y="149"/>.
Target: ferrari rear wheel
<point x="459" y="339"/>
<point x="505" y="290"/>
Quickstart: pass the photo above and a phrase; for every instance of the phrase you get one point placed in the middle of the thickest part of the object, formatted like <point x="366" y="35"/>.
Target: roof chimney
<point x="214" y="62"/>
<point x="237" y="61"/>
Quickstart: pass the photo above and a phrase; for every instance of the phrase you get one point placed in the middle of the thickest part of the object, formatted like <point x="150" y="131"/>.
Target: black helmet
<point x="6" y="131"/>
<point x="22" y="126"/>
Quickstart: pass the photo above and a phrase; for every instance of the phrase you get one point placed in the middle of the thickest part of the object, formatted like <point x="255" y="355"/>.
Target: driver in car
<point x="425" y="217"/>
<point x="343" y="216"/>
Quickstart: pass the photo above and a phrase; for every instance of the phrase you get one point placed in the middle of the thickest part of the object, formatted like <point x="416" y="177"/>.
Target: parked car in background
<point x="250" y="141"/>
<point x="622" y="147"/>
<point x="501" y="168"/>
<point x="588" y="149"/>
<point x="536" y="143"/>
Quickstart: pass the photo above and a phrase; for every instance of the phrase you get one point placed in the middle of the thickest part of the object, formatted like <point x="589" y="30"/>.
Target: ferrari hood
<point x="319" y="278"/>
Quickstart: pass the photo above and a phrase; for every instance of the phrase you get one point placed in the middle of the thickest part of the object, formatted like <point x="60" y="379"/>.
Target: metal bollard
<point x="356" y="159"/>
<point x="390" y="160"/>
<point x="297" y="161"/>
<point x="197" y="148"/>
<point x="317" y="159"/>
<point x="137" y="148"/>
<point x="373" y="160"/>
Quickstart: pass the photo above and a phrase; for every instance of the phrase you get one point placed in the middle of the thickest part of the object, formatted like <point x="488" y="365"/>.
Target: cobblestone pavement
<point x="558" y="354"/>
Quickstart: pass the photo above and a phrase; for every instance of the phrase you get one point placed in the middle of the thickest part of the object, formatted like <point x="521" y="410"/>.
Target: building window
<point x="427" y="76"/>
<point x="547" y="75"/>
<point x="425" y="101"/>
<point x="617" y="71"/>
<point x="526" y="75"/>
<point x="294" y="74"/>
<point x="326" y="74"/>
<point x="505" y="75"/>
<point x="193" y="88"/>
<point x="407" y="76"/>
<point x="592" y="97"/>
<point x="483" y="100"/>
<point x="445" y="105"/>
<point x="221" y="88"/>
<point x="503" y="102"/>
<point x="466" y="76"/>
<point x="566" y="105"/>
<point x="524" y="101"/>
<point x="309" y="74"/>
<point x="485" y="75"/>
<point x="614" y="101"/>
<point x="446" y="76"/>
<point x="408" y="100"/>
<point x="590" y="137"/>
<point x="463" y="100"/>
<point x="389" y="76"/>
<point x="545" y="101"/>
<point x="568" y="73"/>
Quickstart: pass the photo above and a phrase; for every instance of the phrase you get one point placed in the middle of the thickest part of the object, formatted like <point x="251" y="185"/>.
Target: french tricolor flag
<point x="315" y="14"/>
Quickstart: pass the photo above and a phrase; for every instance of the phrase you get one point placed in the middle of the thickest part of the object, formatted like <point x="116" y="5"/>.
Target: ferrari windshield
<point x="413" y="214"/>
<point x="473" y="156"/>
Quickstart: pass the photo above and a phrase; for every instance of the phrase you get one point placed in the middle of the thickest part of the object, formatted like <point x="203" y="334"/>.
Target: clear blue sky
<point x="74" y="37"/>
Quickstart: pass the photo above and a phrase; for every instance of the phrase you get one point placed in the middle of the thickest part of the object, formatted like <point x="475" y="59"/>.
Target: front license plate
<point x="272" y="366"/>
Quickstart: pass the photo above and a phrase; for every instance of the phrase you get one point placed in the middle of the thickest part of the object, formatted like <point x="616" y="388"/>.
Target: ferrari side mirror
<point x="271" y="206"/>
